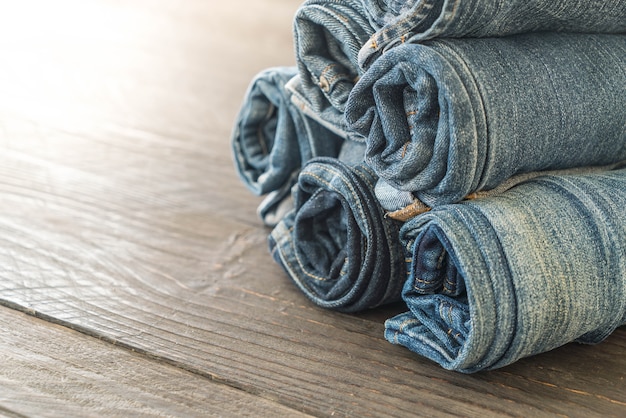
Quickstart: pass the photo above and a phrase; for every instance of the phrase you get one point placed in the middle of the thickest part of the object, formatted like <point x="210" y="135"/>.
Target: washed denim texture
<point x="327" y="116"/>
<point x="496" y="279"/>
<point x="418" y="20"/>
<point x="402" y="205"/>
<point x="328" y="35"/>
<point x="450" y="117"/>
<point x="279" y="202"/>
<point x="272" y="138"/>
<point x="336" y="245"/>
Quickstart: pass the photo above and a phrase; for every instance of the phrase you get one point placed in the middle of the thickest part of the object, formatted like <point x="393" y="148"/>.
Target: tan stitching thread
<point x="440" y="260"/>
<point x="404" y="149"/>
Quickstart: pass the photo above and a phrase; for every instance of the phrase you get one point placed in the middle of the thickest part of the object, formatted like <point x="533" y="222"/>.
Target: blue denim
<point x="401" y="205"/>
<point x="336" y="245"/>
<point x="352" y="153"/>
<point x="328" y="35"/>
<point x="390" y="198"/>
<point x="277" y="203"/>
<point x="272" y="138"/>
<point x="419" y="20"/>
<point x="327" y="116"/>
<point x="449" y="117"/>
<point x="500" y="278"/>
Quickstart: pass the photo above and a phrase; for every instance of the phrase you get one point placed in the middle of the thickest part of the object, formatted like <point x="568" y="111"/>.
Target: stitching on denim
<point x="321" y="180"/>
<point x="350" y="188"/>
<point x="401" y="23"/>
<point x="440" y="259"/>
<point x="333" y="79"/>
<point x="424" y="281"/>
<point x="406" y="145"/>
<point x="366" y="170"/>
<point x="447" y="282"/>
<point x="405" y="323"/>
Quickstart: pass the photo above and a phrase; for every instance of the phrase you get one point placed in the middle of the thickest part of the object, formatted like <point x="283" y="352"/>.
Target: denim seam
<point x="404" y="27"/>
<point x="514" y="296"/>
<point x="350" y="188"/>
<point x="482" y="111"/>
<point x="323" y="181"/>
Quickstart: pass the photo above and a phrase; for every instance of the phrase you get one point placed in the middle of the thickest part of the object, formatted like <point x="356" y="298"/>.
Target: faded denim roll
<point x="419" y="20"/>
<point x="327" y="116"/>
<point x="497" y="279"/>
<point x="272" y="138"/>
<point x="336" y="245"/>
<point x="328" y="35"/>
<point x="450" y="117"/>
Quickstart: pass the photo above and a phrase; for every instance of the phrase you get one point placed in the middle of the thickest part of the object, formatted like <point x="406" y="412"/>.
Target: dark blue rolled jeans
<point x="446" y="118"/>
<point x="417" y="20"/>
<point x="272" y="138"/>
<point x="336" y="245"/>
<point x="500" y="278"/>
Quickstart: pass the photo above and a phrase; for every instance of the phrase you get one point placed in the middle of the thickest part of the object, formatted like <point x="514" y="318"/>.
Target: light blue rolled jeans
<point x="328" y="35"/>
<point x="399" y="21"/>
<point x="496" y="279"/>
<point x="272" y="138"/>
<point x="449" y="117"/>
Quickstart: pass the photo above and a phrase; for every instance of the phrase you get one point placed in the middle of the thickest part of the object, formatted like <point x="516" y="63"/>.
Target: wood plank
<point x="49" y="370"/>
<point x="121" y="216"/>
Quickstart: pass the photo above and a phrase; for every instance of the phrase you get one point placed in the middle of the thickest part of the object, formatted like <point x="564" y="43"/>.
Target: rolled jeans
<point x="272" y="138"/>
<point x="447" y="118"/>
<point x="500" y="278"/>
<point x="336" y="245"/>
<point x="328" y="35"/>
<point x="418" y="20"/>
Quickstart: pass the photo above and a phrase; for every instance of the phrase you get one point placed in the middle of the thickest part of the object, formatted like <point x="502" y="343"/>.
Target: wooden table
<point x="135" y="276"/>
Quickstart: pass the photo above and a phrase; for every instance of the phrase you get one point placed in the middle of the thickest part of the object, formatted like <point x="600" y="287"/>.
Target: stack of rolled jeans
<point x="491" y="197"/>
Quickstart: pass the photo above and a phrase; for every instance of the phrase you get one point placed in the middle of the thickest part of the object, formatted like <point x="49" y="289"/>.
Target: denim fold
<point x="272" y="138"/>
<point x="336" y="245"/>
<point x="449" y="117"/>
<point x="418" y="20"/>
<point x="497" y="279"/>
<point x="328" y="35"/>
<point x="326" y="116"/>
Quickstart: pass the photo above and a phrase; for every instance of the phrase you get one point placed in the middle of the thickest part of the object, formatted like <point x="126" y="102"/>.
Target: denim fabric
<point x="390" y="198"/>
<point x="328" y="35"/>
<point x="418" y="20"/>
<point x="394" y="200"/>
<point x="277" y="203"/>
<point x="450" y="117"/>
<point x="496" y="279"/>
<point x="327" y="116"/>
<point x="337" y="245"/>
<point x="272" y="138"/>
<point x="352" y="153"/>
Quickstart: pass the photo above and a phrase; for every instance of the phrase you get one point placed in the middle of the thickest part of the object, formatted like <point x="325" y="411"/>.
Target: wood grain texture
<point x="49" y="370"/>
<point x="121" y="216"/>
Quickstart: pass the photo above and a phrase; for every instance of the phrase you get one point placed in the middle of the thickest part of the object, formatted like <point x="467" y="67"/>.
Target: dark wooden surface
<point x="138" y="262"/>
